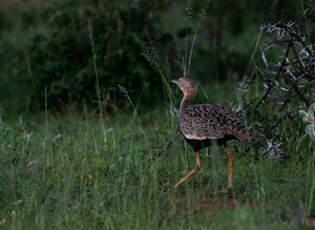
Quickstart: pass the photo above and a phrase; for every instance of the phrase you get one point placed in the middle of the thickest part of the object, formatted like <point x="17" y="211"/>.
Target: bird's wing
<point x="203" y="121"/>
<point x="234" y="125"/>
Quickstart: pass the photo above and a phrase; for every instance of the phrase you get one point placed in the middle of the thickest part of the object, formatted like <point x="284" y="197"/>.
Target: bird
<point x="203" y="124"/>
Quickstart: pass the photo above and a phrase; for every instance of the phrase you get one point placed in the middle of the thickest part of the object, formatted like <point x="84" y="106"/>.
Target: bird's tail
<point x="253" y="143"/>
<point x="250" y="141"/>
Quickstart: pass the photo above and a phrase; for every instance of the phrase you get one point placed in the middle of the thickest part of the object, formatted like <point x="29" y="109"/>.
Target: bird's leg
<point x="228" y="150"/>
<point x="192" y="172"/>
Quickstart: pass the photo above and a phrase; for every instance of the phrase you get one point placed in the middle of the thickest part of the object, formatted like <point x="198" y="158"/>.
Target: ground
<point x="78" y="171"/>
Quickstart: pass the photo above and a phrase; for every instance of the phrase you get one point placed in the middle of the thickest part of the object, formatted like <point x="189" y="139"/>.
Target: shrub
<point x="280" y="80"/>
<point x="63" y="54"/>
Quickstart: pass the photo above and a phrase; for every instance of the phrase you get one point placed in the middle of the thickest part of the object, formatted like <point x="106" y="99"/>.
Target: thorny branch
<point x="288" y="83"/>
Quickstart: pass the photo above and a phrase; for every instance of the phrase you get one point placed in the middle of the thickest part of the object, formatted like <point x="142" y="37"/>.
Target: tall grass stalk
<point x="311" y="172"/>
<point x="189" y="46"/>
<point x="94" y="55"/>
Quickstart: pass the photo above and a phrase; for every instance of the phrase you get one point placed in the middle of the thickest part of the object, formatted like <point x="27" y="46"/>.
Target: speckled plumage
<point x="202" y="124"/>
<point x="214" y="122"/>
<point x="208" y="121"/>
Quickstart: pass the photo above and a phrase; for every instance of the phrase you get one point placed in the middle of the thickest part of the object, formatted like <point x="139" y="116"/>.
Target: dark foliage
<point x="286" y="73"/>
<point x="80" y="43"/>
<point x="62" y="50"/>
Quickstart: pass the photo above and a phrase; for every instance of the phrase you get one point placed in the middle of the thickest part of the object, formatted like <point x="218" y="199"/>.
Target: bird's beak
<point x="174" y="81"/>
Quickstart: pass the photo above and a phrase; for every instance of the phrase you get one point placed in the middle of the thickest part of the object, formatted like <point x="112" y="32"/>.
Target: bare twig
<point x="167" y="144"/>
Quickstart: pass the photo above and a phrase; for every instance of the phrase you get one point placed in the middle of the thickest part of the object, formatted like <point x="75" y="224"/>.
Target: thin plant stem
<point x="97" y="80"/>
<point x="310" y="201"/>
<point x="192" y="47"/>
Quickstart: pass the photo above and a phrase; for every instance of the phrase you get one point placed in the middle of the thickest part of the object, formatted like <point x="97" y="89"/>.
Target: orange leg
<point x="192" y="172"/>
<point x="228" y="150"/>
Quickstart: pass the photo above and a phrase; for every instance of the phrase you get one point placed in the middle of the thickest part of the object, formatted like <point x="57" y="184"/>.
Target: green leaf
<point x="310" y="130"/>
<point x="312" y="108"/>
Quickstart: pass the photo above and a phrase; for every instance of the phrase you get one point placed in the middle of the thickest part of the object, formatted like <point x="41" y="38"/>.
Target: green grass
<point x="73" y="171"/>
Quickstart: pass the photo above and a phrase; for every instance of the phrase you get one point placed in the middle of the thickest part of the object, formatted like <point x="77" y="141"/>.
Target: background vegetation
<point x="88" y="132"/>
<point x="63" y="47"/>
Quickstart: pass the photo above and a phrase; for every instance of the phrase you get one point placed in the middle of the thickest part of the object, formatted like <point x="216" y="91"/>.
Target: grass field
<point x="75" y="171"/>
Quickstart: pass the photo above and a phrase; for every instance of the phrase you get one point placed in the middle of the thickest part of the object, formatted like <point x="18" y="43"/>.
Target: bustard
<point x="202" y="124"/>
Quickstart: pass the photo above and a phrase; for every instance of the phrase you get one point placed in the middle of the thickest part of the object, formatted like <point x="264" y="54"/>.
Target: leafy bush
<point x="72" y="43"/>
<point x="74" y="50"/>
<point x="309" y="119"/>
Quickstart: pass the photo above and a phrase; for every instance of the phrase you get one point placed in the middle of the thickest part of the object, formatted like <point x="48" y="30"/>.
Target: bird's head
<point x="188" y="86"/>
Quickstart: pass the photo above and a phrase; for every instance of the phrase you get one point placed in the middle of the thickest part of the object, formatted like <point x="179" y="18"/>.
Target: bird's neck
<point x="183" y="104"/>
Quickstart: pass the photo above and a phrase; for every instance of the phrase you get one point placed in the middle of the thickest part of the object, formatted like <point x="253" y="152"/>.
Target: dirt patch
<point x="210" y="203"/>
